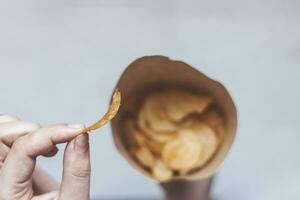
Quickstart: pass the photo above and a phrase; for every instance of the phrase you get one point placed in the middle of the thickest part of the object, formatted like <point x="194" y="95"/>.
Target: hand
<point x="19" y="163"/>
<point x="11" y="128"/>
<point x="43" y="183"/>
<point x="187" y="190"/>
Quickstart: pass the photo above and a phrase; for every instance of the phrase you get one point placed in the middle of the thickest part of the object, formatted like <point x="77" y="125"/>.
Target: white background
<point x="59" y="61"/>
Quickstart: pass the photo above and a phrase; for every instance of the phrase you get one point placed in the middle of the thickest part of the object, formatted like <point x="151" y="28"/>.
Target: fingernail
<point x="82" y="143"/>
<point x="75" y="126"/>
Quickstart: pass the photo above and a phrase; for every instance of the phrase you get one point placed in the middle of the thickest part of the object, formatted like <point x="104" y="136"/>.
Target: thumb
<point x="76" y="173"/>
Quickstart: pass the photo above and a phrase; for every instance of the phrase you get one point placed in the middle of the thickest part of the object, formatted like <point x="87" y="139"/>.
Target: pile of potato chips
<point x="175" y="132"/>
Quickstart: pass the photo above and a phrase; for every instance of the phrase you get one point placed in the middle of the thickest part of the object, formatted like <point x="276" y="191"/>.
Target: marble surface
<point x="59" y="61"/>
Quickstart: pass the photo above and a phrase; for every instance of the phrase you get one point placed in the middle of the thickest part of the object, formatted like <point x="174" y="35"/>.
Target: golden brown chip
<point x="161" y="137"/>
<point x="162" y="109"/>
<point x="154" y="135"/>
<point x="181" y="103"/>
<point x="214" y="119"/>
<point x="144" y="156"/>
<point x="155" y="147"/>
<point x="208" y="141"/>
<point x="161" y="171"/>
<point x="142" y="121"/>
<point x="183" y="152"/>
<point x="154" y="111"/>
<point x="135" y="136"/>
<point x="139" y="138"/>
<point x="112" y="111"/>
<point x="220" y="131"/>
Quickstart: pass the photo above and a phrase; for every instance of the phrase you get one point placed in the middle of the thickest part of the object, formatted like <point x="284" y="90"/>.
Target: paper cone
<point x="155" y="72"/>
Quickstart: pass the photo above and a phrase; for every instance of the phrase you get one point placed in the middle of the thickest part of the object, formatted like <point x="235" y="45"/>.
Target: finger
<point x="10" y="131"/>
<point x="60" y="124"/>
<point x="48" y="196"/>
<point x="7" y="118"/>
<point x="3" y="152"/>
<point x="76" y="174"/>
<point x="24" y="152"/>
<point x="42" y="182"/>
<point x="51" y="153"/>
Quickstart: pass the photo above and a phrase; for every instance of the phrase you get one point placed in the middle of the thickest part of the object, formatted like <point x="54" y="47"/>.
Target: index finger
<point x="7" y="118"/>
<point x="11" y="130"/>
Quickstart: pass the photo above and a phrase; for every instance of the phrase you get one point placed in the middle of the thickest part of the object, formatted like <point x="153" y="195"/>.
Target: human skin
<point x="187" y="190"/>
<point x="22" y="142"/>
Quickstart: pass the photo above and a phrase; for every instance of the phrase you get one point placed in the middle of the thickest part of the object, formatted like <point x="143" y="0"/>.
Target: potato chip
<point x="154" y="135"/>
<point x="214" y="119"/>
<point x="155" y="147"/>
<point x="220" y="131"/>
<point x="144" y="156"/>
<point x="183" y="152"/>
<point x="142" y="139"/>
<point x="136" y="137"/>
<point x="161" y="137"/>
<point x="207" y="138"/>
<point x="112" y="111"/>
<point x="181" y="103"/>
<point x="155" y="113"/>
<point x="139" y="138"/>
<point x="161" y="172"/>
<point x="142" y="121"/>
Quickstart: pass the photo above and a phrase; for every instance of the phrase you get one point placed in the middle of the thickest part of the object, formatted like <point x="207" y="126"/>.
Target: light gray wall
<point x="59" y="61"/>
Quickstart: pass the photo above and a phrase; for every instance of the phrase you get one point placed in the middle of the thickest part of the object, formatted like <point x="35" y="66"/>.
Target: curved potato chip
<point x="155" y="147"/>
<point x="139" y="138"/>
<point x="220" y="131"/>
<point x="136" y="136"/>
<point x="142" y="121"/>
<point x="181" y="103"/>
<point x="214" y="119"/>
<point x="155" y="113"/>
<point x="144" y="156"/>
<point x="161" y="172"/>
<point x="161" y="137"/>
<point x="154" y="135"/>
<point x="112" y="111"/>
<point x="183" y="152"/>
<point x="208" y="141"/>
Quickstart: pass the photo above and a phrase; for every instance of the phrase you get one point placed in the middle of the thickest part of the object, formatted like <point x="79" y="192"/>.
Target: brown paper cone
<point x="155" y="72"/>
